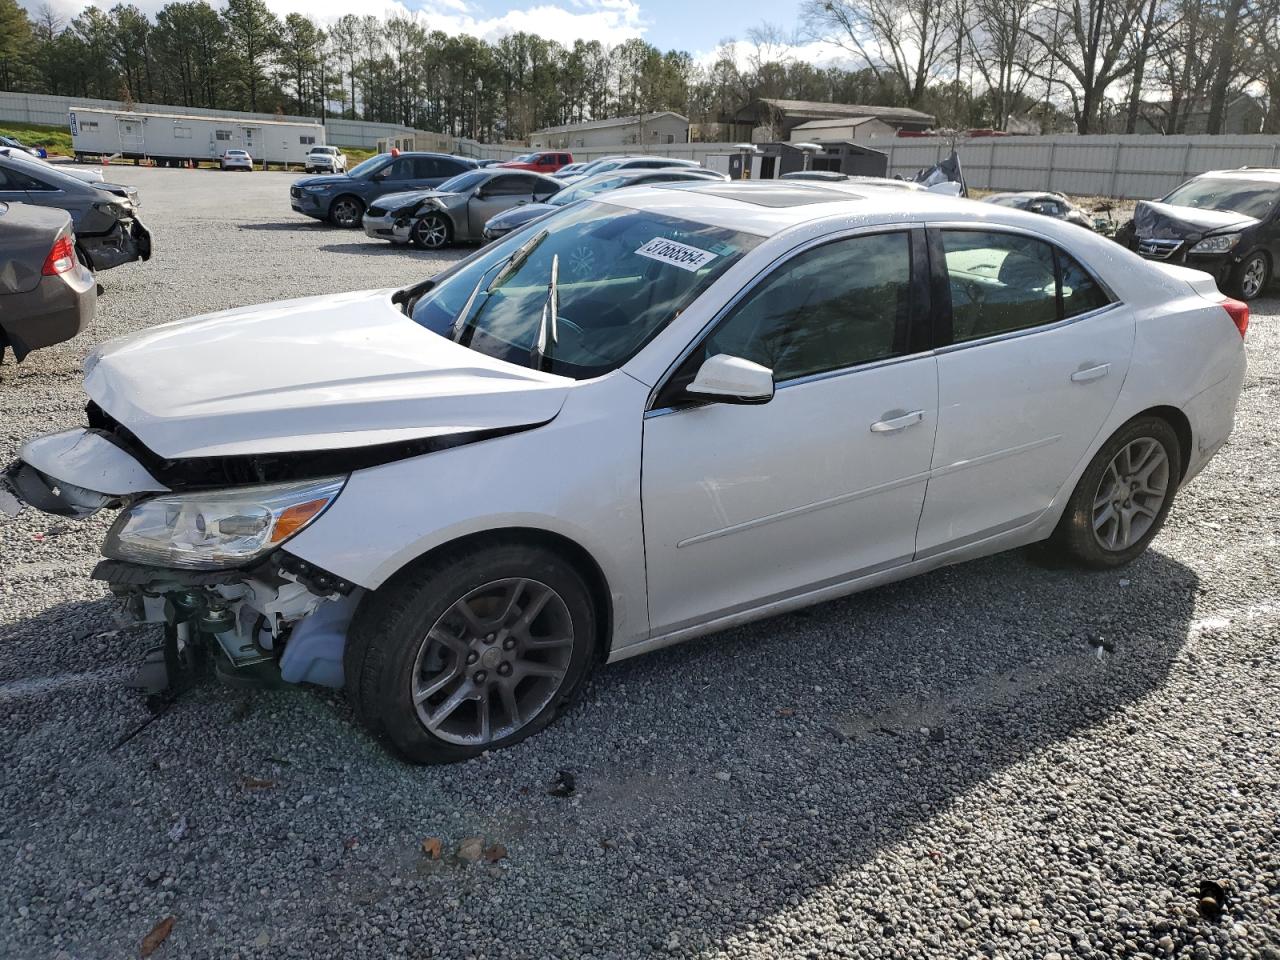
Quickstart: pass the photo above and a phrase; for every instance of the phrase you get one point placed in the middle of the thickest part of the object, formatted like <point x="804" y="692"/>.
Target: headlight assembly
<point x="318" y="187"/>
<point x="215" y="529"/>
<point x="1219" y="244"/>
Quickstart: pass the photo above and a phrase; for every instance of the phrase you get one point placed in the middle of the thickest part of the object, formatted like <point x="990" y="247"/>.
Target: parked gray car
<point x="342" y="198"/>
<point x="46" y="294"/>
<point x="458" y="209"/>
<point x="104" y="215"/>
<point x="642" y="162"/>
<point x="517" y="217"/>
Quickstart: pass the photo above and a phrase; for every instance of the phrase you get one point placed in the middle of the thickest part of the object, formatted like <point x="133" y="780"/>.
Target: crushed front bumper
<point x="127" y="240"/>
<point x="387" y="226"/>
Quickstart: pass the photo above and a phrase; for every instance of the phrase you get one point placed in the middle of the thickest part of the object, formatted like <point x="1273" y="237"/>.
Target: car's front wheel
<point x="431" y="232"/>
<point x="346" y="212"/>
<point x="472" y="651"/>
<point x="1250" y="276"/>
<point x="1123" y="497"/>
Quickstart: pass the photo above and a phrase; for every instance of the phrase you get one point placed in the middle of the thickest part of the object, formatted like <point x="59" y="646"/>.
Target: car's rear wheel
<point x="1250" y="276"/>
<point x="1123" y="497"/>
<point x="431" y="232"/>
<point x="346" y="212"/>
<point x="472" y="651"/>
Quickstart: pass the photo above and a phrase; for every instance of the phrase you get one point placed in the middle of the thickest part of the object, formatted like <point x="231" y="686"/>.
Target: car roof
<point x="1268" y="174"/>
<point x="767" y="207"/>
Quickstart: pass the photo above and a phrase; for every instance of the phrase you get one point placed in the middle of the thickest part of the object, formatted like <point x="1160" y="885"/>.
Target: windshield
<point x="1252" y="198"/>
<point x="623" y="275"/>
<point x="463" y="181"/>
<point x="366" y="167"/>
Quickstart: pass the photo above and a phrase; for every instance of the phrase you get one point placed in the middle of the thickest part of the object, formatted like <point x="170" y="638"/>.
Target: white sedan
<point x="647" y="417"/>
<point x="237" y="160"/>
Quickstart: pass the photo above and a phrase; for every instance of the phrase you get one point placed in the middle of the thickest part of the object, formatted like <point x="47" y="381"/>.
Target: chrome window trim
<point x="763" y="274"/>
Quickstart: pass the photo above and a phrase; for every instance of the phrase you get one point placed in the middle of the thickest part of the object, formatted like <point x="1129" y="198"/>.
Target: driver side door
<point x="750" y="504"/>
<point x="496" y="195"/>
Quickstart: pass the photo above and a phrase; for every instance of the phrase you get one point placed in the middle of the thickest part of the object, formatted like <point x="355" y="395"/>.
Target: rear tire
<point x="1121" y="500"/>
<point x="1249" y="277"/>
<point x="441" y="662"/>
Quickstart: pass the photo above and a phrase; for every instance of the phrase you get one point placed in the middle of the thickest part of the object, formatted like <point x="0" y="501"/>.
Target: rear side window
<point x="1003" y="283"/>
<point x="835" y="306"/>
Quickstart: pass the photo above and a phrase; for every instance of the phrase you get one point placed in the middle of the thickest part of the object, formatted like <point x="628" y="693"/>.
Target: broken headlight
<point x="214" y="529"/>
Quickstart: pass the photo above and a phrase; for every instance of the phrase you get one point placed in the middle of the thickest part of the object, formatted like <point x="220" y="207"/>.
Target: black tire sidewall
<point x="428" y="598"/>
<point x="1237" y="275"/>
<point x="1074" y="534"/>
<point x="415" y="235"/>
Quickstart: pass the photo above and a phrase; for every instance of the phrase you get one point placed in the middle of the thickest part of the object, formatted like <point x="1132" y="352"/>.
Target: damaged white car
<point x="646" y="418"/>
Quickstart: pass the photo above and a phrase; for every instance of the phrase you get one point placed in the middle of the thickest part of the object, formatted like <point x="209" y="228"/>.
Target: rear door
<point x="1034" y="350"/>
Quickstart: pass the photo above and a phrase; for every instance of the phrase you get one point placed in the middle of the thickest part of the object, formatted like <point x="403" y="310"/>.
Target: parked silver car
<point x="104" y="215"/>
<point x="46" y="294"/>
<point x="457" y="210"/>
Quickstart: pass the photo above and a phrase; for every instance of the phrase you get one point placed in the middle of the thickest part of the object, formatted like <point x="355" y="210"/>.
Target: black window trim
<point x="917" y="336"/>
<point x="940" y="282"/>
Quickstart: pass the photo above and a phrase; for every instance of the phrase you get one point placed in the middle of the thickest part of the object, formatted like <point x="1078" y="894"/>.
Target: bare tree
<point x="904" y="42"/>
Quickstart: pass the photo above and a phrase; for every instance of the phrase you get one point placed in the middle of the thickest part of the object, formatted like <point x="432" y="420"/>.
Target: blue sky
<point x="693" y="25"/>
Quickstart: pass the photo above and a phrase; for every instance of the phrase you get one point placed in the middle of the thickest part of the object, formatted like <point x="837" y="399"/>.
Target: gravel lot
<point x="1001" y="759"/>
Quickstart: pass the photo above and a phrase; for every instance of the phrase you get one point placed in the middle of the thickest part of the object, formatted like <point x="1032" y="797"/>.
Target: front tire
<point x="1250" y="276"/>
<point x="432" y="232"/>
<point x="472" y="651"/>
<point x="1121" y="501"/>
<point x="346" y="212"/>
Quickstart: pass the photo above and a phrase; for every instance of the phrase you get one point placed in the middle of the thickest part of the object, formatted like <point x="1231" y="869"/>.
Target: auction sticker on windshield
<point x="677" y="254"/>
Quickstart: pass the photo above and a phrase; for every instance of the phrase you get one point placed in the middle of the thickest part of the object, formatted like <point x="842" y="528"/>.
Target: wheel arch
<point x="1181" y="426"/>
<point x="558" y="543"/>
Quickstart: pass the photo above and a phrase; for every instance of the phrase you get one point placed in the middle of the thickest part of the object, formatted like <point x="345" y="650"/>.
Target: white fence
<point x="1123" y="166"/>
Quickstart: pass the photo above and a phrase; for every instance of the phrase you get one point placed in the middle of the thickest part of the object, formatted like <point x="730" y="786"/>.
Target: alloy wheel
<point x="431" y="232"/>
<point x="1254" y="276"/>
<point x="1131" y="493"/>
<point x="346" y="212"/>
<point x="493" y="661"/>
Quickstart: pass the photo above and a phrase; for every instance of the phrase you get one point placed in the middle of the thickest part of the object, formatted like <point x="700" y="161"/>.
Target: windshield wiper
<point x="548" y="330"/>
<point x="508" y="267"/>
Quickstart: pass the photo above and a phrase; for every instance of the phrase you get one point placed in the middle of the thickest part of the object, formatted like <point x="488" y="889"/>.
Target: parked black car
<point x="46" y="294"/>
<point x="104" y="215"/>
<point x="342" y="198"/>
<point x="1225" y="222"/>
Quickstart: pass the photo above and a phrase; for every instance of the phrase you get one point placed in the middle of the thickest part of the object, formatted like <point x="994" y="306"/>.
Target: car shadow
<point x="386" y="248"/>
<point x="289" y="225"/>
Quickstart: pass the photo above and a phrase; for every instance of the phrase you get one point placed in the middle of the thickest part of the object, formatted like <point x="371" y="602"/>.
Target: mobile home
<point x="173" y="139"/>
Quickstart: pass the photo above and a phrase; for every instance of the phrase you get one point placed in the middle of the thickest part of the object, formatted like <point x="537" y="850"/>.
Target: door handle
<point x="1091" y="373"/>
<point x="900" y="421"/>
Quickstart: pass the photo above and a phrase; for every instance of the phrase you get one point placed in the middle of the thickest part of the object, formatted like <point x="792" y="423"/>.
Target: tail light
<point x="1238" y="310"/>
<point x="63" y="258"/>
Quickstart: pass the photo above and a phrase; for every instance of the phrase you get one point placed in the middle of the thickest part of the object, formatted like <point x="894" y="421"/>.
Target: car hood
<point x="321" y="373"/>
<point x="394" y="201"/>
<point x="1164" y="221"/>
<point x="518" y="216"/>
<point x="325" y="178"/>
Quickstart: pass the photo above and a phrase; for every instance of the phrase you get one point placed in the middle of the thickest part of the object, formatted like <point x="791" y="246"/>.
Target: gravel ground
<point x="1001" y="759"/>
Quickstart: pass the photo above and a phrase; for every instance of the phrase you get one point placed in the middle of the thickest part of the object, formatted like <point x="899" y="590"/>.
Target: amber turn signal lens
<point x="295" y="518"/>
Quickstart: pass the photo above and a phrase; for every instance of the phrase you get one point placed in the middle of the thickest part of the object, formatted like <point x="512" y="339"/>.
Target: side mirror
<point x="732" y="380"/>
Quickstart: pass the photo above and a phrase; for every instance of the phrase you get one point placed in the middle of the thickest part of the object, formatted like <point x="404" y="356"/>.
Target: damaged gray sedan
<point x="104" y="215"/>
<point x="457" y="210"/>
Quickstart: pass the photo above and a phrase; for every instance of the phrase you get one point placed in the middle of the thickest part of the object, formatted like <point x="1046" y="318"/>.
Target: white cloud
<point x="609" y="21"/>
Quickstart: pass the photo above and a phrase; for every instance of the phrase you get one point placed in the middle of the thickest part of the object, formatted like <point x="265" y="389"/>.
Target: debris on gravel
<point x="1062" y="804"/>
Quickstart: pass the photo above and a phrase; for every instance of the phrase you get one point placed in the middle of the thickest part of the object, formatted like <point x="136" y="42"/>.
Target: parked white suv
<point x="325" y="160"/>
<point x="661" y="412"/>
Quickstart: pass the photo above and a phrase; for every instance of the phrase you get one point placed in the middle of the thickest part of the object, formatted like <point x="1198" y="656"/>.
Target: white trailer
<point x="173" y="139"/>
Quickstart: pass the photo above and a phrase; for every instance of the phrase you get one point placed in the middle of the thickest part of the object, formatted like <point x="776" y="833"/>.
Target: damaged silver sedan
<point x="104" y="215"/>
<point x="457" y="210"/>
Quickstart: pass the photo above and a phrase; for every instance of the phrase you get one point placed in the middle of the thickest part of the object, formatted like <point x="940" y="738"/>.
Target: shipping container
<point x="173" y="139"/>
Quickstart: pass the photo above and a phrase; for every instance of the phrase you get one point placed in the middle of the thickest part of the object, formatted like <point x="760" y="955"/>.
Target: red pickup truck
<point x="546" y="161"/>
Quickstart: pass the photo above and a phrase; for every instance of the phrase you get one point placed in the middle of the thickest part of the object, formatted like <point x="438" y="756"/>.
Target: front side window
<point x="1003" y="283"/>
<point x="509" y="186"/>
<point x="835" y="306"/>
<point x="623" y="275"/>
